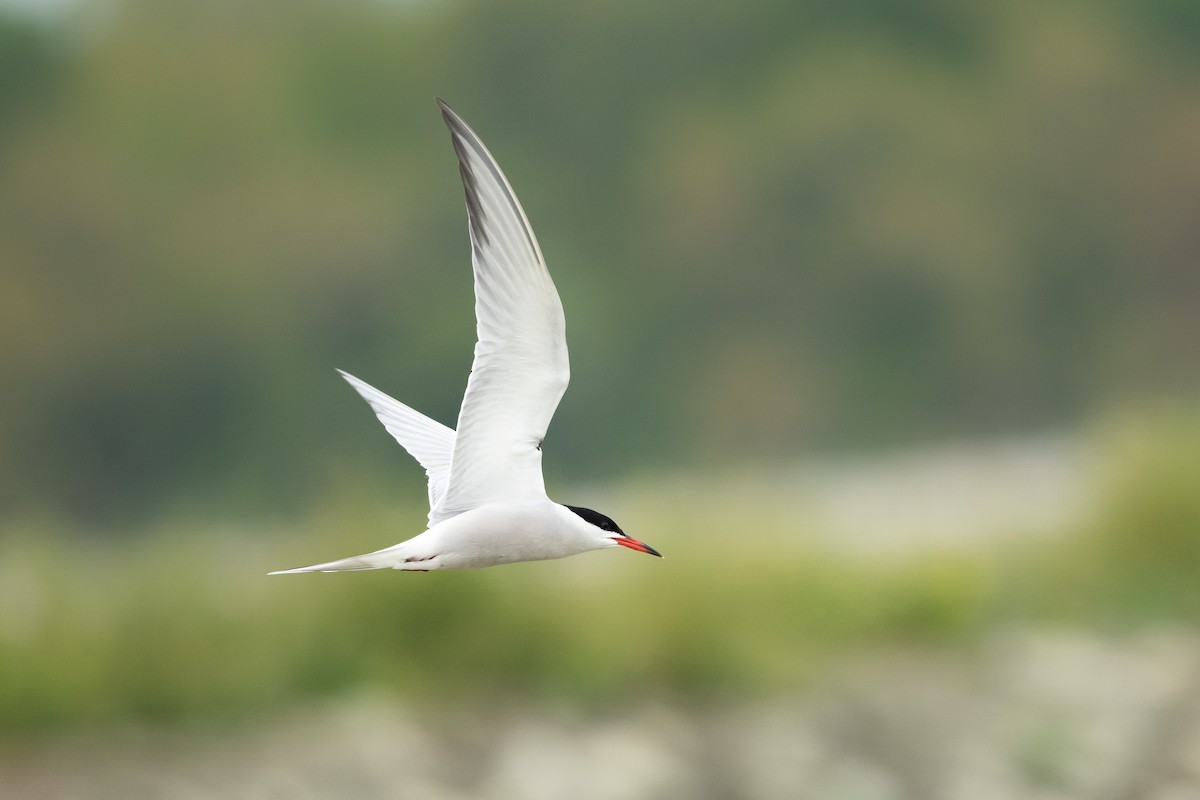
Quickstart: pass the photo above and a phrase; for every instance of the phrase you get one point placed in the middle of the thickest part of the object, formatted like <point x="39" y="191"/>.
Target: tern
<point x="487" y="498"/>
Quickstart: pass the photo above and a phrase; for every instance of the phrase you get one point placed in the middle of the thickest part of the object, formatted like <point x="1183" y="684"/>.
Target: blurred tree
<point x="777" y="227"/>
<point x="29" y="67"/>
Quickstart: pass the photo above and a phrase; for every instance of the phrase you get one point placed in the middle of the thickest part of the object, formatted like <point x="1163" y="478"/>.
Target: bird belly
<point x="502" y="533"/>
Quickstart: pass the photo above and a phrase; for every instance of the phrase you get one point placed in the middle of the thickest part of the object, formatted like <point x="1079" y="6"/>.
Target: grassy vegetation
<point x="183" y="623"/>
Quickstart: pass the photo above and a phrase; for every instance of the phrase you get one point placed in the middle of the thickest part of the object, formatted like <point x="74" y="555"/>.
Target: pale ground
<point x="1048" y="715"/>
<point x="905" y="504"/>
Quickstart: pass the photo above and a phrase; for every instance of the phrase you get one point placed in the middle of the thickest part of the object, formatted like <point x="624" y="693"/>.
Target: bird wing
<point x="520" y="370"/>
<point x="428" y="441"/>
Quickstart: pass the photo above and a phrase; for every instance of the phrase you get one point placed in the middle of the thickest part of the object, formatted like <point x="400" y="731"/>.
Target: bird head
<point x="611" y="531"/>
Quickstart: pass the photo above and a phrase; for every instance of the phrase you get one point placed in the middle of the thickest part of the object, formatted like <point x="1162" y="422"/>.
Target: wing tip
<point x="453" y="121"/>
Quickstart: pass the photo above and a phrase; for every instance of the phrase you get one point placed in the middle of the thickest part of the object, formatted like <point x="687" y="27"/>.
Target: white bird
<point x="487" y="500"/>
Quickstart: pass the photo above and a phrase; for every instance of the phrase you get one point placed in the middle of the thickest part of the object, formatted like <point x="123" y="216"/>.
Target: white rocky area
<point x="1048" y="715"/>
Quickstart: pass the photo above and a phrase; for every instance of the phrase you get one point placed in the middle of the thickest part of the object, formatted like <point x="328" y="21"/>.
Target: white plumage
<point x="487" y="500"/>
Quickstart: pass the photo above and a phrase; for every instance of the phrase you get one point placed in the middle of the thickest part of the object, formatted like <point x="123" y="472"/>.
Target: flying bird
<point x="487" y="499"/>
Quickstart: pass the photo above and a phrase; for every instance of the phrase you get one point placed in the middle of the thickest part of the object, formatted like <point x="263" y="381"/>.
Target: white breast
<point x="504" y="532"/>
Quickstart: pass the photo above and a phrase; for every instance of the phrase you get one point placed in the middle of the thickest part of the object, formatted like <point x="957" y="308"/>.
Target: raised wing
<point x="428" y="441"/>
<point x="520" y="369"/>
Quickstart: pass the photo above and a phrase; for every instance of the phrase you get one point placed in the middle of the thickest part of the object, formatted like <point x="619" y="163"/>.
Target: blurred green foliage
<point x="1146" y="558"/>
<point x="184" y="624"/>
<point x="776" y="226"/>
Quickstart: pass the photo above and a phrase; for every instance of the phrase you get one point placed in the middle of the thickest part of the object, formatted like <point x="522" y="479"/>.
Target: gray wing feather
<point x="520" y="369"/>
<point x="428" y="441"/>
